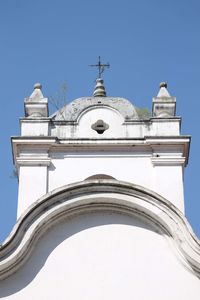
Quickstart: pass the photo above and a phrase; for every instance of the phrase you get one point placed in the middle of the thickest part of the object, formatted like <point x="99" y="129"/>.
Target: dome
<point x="71" y="111"/>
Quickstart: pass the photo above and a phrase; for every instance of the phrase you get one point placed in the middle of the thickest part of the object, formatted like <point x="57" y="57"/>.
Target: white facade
<point x="145" y="151"/>
<point x="101" y="203"/>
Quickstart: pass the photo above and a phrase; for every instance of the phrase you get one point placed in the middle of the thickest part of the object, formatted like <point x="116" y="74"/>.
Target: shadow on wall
<point x="58" y="234"/>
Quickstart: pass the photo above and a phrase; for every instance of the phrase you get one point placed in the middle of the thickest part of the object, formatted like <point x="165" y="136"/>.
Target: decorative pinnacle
<point x="37" y="86"/>
<point x="101" y="67"/>
<point x="163" y="92"/>
<point x="99" y="90"/>
<point x="163" y="84"/>
<point x="37" y="93"/>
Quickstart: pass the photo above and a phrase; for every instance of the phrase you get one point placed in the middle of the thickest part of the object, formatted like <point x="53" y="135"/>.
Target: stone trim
<point x="33" y="161"/>
<point x="98" y="195"/>
<point x="168" y="161"/>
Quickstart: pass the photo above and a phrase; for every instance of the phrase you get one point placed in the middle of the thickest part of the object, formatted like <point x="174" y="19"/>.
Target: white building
<point x="101" y="203"/>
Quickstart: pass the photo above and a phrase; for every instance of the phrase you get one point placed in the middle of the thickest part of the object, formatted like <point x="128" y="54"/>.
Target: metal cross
<point x="100" y="66"/>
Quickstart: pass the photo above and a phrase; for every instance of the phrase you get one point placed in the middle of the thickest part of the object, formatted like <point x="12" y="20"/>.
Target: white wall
<point x="117" y="126"/>
<point x="165" y="180"/>
<point x="69" y="167"/>
<point x="108" y="115"/>
<point x="129" y="166"/>
<point x="80" y="167"/>
<point x="32" y="185"/>
<point x="34" y="128"/>
<point x="168" y="182"/>
<point x="102" y="256"/>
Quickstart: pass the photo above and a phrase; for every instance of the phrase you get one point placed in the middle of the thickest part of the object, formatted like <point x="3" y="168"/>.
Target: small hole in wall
<point x="100" y="126"/>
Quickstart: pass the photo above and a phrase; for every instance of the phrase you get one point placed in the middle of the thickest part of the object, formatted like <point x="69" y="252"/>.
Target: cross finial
<point x="101" y="67"/>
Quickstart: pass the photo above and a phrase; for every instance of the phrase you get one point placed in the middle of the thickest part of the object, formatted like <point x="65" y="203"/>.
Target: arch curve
<point x="97" y="195"/>
<point x="100" y="176"/>
<point x="73" y="110"/>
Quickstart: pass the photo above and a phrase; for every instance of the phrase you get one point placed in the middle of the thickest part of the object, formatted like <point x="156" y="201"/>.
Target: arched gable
<point x="92" y="196"/>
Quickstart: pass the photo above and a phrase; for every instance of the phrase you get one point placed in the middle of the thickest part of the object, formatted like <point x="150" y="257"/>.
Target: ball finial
<point x="37" y="86"/>
<point x="163" y="84"/>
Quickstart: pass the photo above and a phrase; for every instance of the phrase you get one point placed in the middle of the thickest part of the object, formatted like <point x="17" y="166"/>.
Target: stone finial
<point x="99" y="90"/>
<point x="164" y="105"/>
<point x="163" y="92"/>
<point x="36" y="105"/>
<point x="163" y="84"/>
<point x="37" y="86"/>
<point x="37" y="93"/>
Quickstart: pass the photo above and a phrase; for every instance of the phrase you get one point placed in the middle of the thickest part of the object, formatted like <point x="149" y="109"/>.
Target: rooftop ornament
<point x="37" y="86"/>
<point x="163" y="84"/>
<point x="99" y="90"/>
<point x="163" y="92"/>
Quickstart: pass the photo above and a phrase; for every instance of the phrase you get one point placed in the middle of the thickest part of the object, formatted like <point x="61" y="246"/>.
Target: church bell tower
<point x="100" y="136"/>
<point x="101" y="202"/>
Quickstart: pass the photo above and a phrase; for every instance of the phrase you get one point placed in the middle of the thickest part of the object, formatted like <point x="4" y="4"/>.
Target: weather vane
<point x="101" y="67"/>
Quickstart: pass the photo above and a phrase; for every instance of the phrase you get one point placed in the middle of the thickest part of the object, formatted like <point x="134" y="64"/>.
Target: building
<point x="101" y="203"/>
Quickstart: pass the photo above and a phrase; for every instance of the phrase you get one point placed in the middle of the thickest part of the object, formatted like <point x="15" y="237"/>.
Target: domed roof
<point x="71" y="111"/>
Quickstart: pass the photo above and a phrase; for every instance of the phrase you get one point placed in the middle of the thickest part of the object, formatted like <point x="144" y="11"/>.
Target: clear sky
<point x="54" y="41"/>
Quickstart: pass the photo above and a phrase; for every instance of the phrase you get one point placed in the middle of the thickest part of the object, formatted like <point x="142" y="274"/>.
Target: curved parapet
<point x="72" y="111"/>
<point x="91" y="196"/>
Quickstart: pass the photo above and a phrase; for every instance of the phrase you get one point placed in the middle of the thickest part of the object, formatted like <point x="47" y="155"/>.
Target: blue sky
<point x="53" y="42"/>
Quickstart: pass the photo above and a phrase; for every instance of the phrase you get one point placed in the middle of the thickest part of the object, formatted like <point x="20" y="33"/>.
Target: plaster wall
<point x="32" y="185"/>
<point x="64" y="131"/>
<point x="34" y="128"/>
<point x="65" y="168"/>
<point x="168" y="182"/>
<point x="110" y="116"/>
<point x="117" y="126"/>
<point x="165" y="180"/>
<point x="74" y="168"/>
<point x="164" y="127"/>
<point x="122" y="130"/>
<point x="130" y="257"/>
<point x="152" y="128"/>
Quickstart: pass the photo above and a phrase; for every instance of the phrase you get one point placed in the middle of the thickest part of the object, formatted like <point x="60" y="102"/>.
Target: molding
<point x="104" y="155"/>
<point x="98" y="195"/>
<point x="50" y="139"/>
<point x="34" y="120"/>
<point x="33" y="161"/>
<point x="131" y="145"/>
<point x="151" y="120"/>
<point x="167" y="119"/>
<point x="168" y="161"/>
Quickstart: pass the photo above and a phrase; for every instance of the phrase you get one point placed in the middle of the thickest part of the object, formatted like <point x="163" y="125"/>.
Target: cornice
<point x="33" y="161"/>
<point x="168" y="161"/>
<point x="91" y="196"/>
<point x="149" y="143"/>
